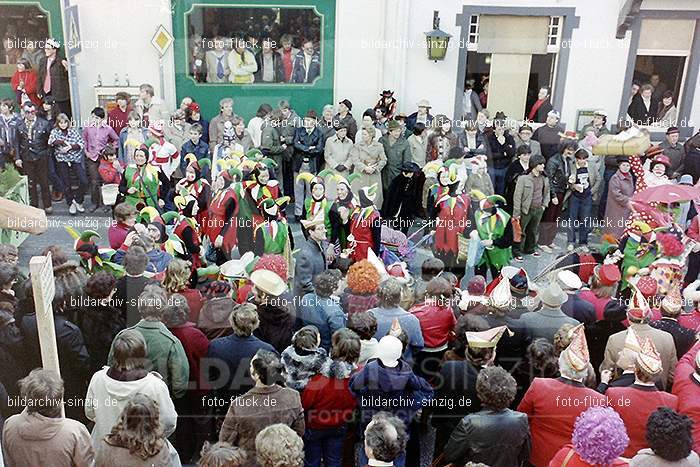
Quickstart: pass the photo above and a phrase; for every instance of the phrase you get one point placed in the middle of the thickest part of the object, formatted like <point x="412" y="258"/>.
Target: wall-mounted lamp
<point x="437" y="40"/>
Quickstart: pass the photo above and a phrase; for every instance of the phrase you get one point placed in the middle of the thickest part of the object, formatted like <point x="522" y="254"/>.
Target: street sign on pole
<point x="43" y="289"/>
<point x="73" y="46"/>
<point x="73" y="41"/>
<point x="161" y="41"/>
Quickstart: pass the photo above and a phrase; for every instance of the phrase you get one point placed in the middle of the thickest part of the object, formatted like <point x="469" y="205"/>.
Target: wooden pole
<point x="43" y="288"/>
<point x="22" y="218"/>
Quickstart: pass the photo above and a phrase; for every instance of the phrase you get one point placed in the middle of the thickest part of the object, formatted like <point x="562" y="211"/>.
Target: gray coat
<point x="396" y="155"/>
<point x="310" y="260"/>
<point x="545" y="322"/>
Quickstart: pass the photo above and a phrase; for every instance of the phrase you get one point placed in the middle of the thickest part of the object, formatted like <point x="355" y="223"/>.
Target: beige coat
<point x="663" y="341"/>
<point x="108" y="455"/>
<point x="419" y="148"/>
<point x="364" y="156"/>
<point x="522" y="198"/>
<point x="35" y="440"/>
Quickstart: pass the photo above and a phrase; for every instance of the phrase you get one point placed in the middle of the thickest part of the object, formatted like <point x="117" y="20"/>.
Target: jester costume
<point x="187" y="230"/>
<point x="639" y="250"/>
<point x="316" y="205"/>
<point x="229" y="149"/>
<point x="196" y="186"/>
<point x="340" y="215"/>
<point x="222" y="214"/>
<point x="492" y="223"/>
<point x="273" y="236"/>
<point x="365" y="225"/>
<point x="260" y="187"/>
<point x="149" y="182"/>
<point x="452" y="220"/>
<point x="162" y="153"/>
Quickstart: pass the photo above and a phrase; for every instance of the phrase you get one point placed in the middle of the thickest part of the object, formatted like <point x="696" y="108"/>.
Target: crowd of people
<point x="258" y="301"/>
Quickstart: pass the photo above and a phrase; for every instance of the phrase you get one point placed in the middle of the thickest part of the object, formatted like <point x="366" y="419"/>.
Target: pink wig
<point x="599" y="435"/>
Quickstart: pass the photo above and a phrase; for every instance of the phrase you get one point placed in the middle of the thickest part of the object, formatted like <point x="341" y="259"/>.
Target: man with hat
<point x="337" y="153"/>
<point x="638" y="314"/>
<point x="575" y="306"/>
<point x="311" y="258"/>
<point x="674" y="151"/>
<point x="553" y="404"/>
<point x="52" y="77"/>
<point x="402" y="203"/>
<point x="365" y="225"/>
<point x="422" y="115"/>
<point x="387" y="101"/>
<point x="548" y="135"/>
<point x="397" y="152"/>
<point x="671" y="307"/>
<point x="597" y="125"/>
<point x="345" y="118"/>
<point x="545" y="322"/>
<point x="636" y="402"/>
<point x="687" y="387"/>
<point x="308" y="146"/>
<point x="275" y="309"/>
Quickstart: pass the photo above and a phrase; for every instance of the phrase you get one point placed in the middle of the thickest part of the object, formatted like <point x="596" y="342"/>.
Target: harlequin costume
<point x="639" y="250"/>
<point x="149" y="182"/>
<point x="196" y="186"/>
<point x="341" y="213"/>
<point x="273" y="236"/>
<point x="452" y="220"/>
<point x="260" y="187"/>
<point x="162" y="153"/>
<point x="645" y="179"/>
<point x="229" y="149"/>
<point x="441" y="176"/>
<point x="187" y="229"/>
<point x="316" y="205"/>
<point x="365" y="225"/>
<point x="222" y="214"/>
<point x="492" y="222"/>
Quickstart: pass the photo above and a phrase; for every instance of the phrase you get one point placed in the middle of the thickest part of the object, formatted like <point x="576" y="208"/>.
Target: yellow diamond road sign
<point x="162" y="40"/>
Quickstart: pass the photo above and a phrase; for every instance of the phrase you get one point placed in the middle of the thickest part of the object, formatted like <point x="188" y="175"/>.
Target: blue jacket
<point x="303" y="141"/>
<point x="299" y="70"/>
<point x="158" y="260"/>
<point x="409" y="324"/>
<point x="228" y="364"/>
<point x="324" y="313"/>
<point x="396" y="390"/>
<point x="201" y="151"/>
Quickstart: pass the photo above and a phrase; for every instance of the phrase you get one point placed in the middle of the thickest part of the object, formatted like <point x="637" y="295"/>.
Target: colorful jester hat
<point x="185" y="203"/>
<point x="367" y="195"/>
<point x="576" y="354"/>
<point x="256" y="155"/>
<point x="92" y="258"/>
<point x="228" y="169"/>
<point x="271" y="207"/>
<point x="229" y="134"/>
<point x="313" y="180"/>
<point x="196" y="165"/>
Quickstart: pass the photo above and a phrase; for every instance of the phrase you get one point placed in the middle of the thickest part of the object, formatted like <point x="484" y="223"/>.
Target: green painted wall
<point x="248" y="97"/>
<point x="54" y="11"/>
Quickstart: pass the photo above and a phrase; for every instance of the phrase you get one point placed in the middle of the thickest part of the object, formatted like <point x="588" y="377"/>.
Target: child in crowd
<point x="304" y="358"/>
<point x="110" y="169"/>
<point x="197" y="146"/>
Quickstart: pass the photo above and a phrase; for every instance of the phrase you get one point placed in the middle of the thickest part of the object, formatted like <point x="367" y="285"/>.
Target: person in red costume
<point x="221" y="224"/>
<point x="553" y="404"/>
<point x="452" y="220"/>
<point x="365" y="225"/>
<point x="196" y="186"/>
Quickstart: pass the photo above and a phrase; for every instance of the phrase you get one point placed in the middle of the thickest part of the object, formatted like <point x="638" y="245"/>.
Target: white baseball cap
<point x="389" y="351"/>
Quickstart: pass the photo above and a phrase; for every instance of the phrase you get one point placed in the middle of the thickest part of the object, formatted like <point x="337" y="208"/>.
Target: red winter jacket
<point x="196" y="347"/>
<point x="436" y="323"/>
<point x="108" y="173"/>
<point x="327" y="402"/>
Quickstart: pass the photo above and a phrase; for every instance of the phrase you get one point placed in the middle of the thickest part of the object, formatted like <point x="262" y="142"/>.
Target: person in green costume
<point x="273" y="236"/>
<point x="494" y="229"/>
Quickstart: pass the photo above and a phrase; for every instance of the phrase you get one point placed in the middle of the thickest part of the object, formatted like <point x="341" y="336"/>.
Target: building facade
<point x="588" y="52"/>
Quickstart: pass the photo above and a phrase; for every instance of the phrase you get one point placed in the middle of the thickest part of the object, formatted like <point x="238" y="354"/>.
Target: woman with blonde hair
<point x="137" y="439"/>
<point x="177" y="281"/>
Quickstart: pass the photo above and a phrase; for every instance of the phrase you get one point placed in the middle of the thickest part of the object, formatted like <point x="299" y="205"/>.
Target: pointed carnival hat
<point x="648" y="358"/>
<point x="317" y="220"/>
<point x="576" y="354"/>
<point x="639" y="307"/>
<point x="498" y="292"/>
<point x="486" y="339"/>
<point x="632" y="342"/>
<point x="672" y="303"/>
